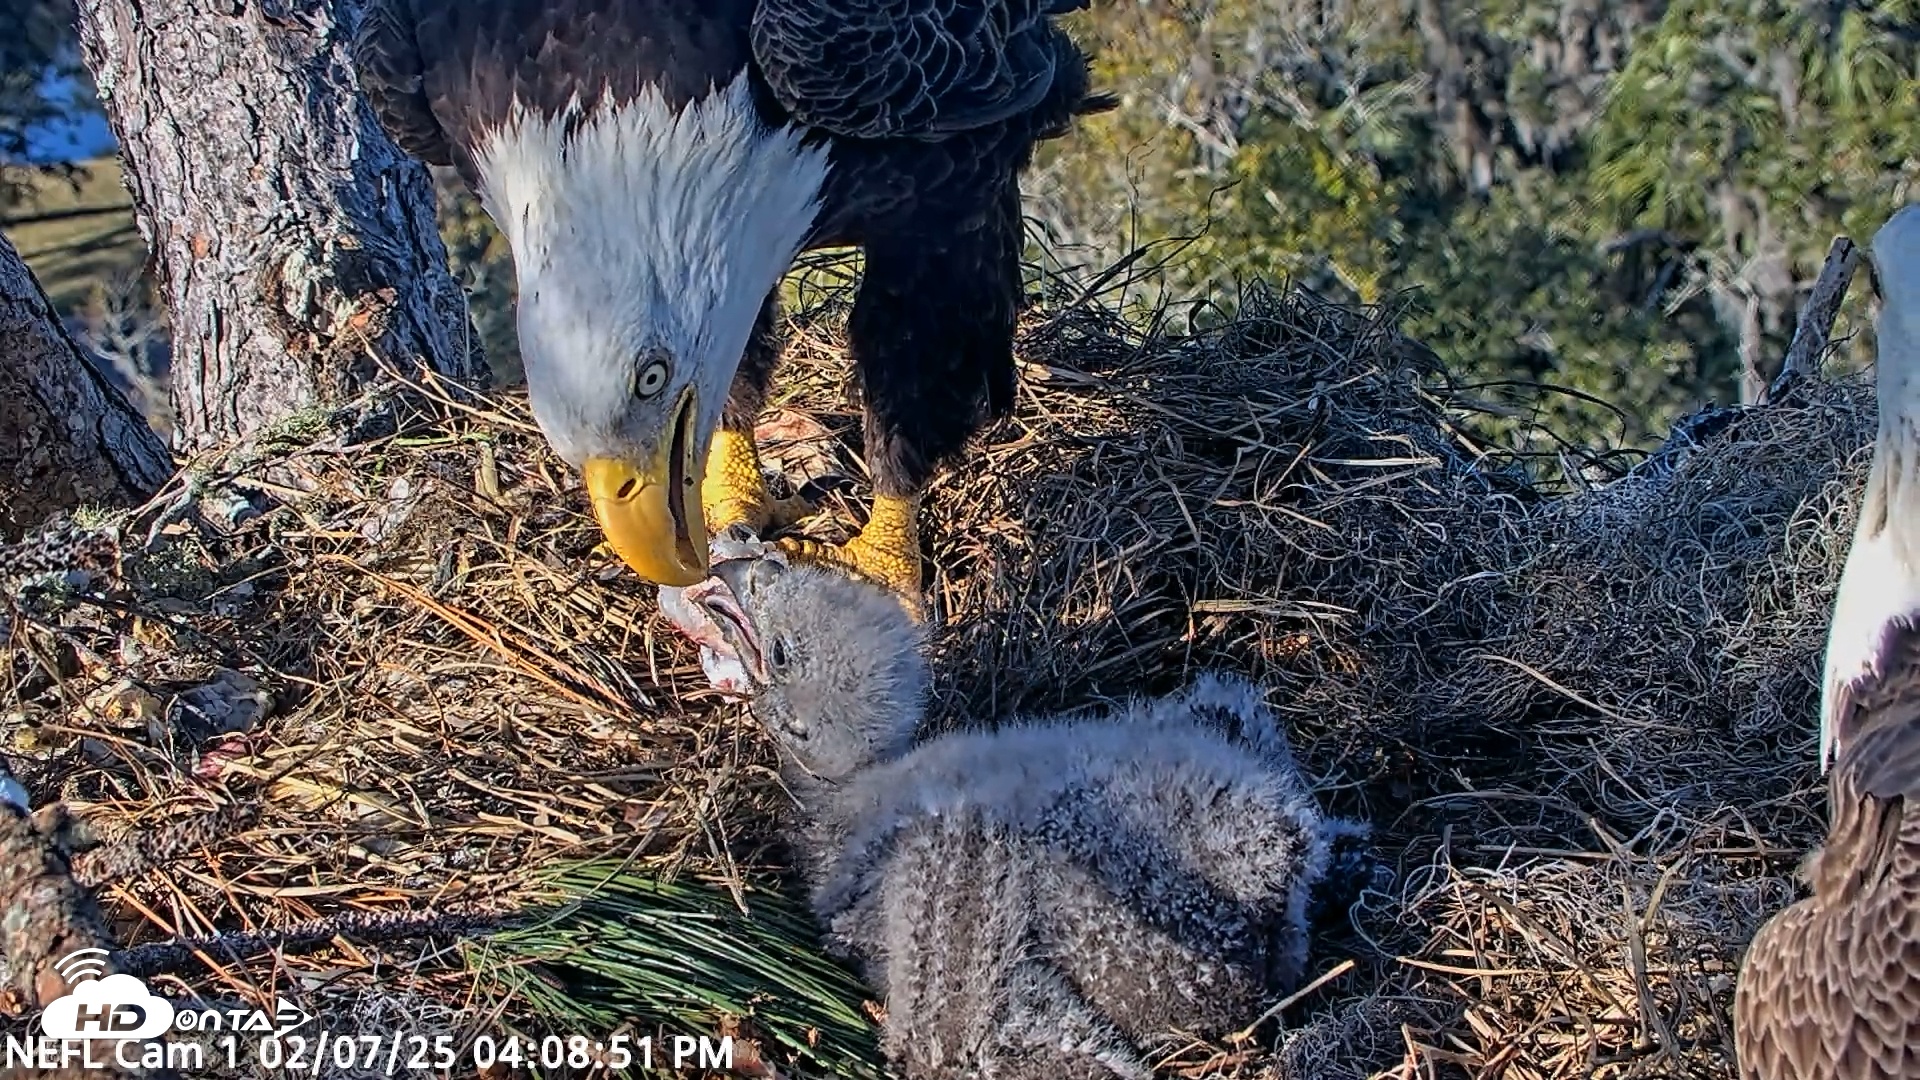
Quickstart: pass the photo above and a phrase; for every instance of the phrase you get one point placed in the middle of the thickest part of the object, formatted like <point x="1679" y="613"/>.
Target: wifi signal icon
<point x="82" y="965"/>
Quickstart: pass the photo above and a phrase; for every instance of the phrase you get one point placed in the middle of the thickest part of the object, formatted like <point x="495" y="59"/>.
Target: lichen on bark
<point x="296" y="245"/>
<point x="67" y="437"/>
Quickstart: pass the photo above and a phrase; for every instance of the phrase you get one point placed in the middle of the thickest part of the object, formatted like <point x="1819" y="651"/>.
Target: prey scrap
<point x="709" y="612"/>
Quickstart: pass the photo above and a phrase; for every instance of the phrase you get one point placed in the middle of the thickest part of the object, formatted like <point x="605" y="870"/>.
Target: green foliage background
<point x="1623" y="199"/>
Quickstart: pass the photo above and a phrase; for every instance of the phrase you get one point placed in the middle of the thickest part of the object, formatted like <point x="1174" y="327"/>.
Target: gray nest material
<point x="1051" y="899"/>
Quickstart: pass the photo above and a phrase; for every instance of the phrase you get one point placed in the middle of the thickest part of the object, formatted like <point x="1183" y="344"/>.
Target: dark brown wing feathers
<point x="1831" y="987"/>
<point x="440" y="73"/>
<point x="387" y="59"/>
<point x="443" y="74"/>
<point x="1879" y="711"/>
<point x="909" y="68"/>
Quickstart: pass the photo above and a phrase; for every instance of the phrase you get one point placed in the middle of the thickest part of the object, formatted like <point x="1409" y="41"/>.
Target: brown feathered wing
<point x="387" y="60"/>
<point x="907" y="68"/>
<point x="1831" y="986"/>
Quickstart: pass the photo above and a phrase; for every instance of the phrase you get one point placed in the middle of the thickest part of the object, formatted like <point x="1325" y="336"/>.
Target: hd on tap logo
<point x="105" y="1018"/>
<point x="113" y="1007"/>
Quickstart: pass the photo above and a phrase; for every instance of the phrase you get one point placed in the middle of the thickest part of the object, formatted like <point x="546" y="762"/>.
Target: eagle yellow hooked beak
<point x="650" y="510"/>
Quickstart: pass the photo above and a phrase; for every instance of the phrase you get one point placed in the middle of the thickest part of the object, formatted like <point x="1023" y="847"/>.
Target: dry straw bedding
<point x="1580" y="719"/>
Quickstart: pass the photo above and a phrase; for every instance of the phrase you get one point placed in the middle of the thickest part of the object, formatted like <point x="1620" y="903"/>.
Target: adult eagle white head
<point x="1878" y="606"/>
<point x="655" y="166"/>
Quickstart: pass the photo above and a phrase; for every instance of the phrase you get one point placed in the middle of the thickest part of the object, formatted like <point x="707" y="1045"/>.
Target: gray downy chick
<point x="1050" y="900"/>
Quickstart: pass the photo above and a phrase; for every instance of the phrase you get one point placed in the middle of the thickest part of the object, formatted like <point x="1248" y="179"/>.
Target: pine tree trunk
<point x="294" y="241"/>
<point x="67" y="437"/>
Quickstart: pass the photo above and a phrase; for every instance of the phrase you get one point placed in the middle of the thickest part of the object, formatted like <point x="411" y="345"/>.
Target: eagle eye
<point x="651" y="378"/>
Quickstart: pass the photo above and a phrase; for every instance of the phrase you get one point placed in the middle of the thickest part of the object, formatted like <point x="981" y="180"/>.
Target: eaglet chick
<point x="1048" y="900"/>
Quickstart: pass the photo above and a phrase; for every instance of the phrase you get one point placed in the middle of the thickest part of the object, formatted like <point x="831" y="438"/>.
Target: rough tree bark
<point x="66" y="435"/>
<point x="291" y="236"/>
<point x="44" y="916"/>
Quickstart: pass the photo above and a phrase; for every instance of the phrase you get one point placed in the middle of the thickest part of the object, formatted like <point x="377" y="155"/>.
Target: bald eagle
<point x="655" y="167"/>
<point x="1830" y="987"/>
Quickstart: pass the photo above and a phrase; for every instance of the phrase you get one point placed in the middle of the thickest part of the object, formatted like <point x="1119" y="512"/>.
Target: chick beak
<point x="728" y="598"/>
<point x="747" y="578"/>
<point x="650" y="511"/>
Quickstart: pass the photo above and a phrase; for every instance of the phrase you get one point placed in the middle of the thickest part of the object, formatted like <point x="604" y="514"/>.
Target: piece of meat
<point x="692" y="611"/>
<point x="718" y="658"/>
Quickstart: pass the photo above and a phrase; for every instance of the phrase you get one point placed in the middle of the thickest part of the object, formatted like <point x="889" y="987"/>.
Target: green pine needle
<point x="621" y="946"/>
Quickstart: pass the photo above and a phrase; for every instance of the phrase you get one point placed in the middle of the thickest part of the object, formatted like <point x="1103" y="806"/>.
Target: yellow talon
<point x="735" y="490"/>
<point x="886" y="552"/>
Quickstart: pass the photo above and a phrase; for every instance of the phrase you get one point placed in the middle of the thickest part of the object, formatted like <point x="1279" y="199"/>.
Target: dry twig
<point x="1814" y="330"/>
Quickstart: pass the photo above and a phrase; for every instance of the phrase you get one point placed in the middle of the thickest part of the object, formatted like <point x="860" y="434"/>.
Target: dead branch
<point x="190" y="953"/>
<point x="1815" y="328"/>
<point x="67" y="214"/>
<point x="46" y="915"/>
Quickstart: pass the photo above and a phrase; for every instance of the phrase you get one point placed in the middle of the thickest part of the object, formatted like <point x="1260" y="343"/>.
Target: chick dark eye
<point x="777" y="654"/>
<point x="650" y="379"/>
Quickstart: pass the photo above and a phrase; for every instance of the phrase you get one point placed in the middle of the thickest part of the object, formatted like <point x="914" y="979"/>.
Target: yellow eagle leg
<point x="886" y="552"/>
<point x="735" y="490"/>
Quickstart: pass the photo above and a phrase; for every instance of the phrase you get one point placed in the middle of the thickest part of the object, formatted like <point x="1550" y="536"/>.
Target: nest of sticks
<point x="374" y="687"/>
